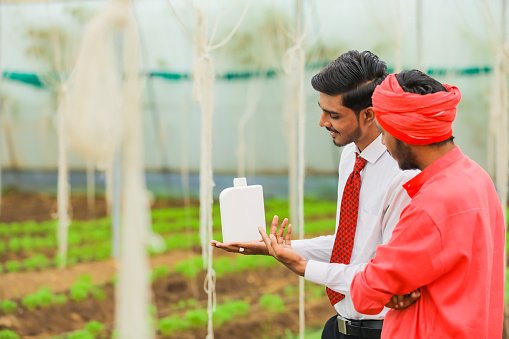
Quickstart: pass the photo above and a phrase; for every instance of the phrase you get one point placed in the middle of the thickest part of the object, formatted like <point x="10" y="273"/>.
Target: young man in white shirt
<point x="345" y="87"/>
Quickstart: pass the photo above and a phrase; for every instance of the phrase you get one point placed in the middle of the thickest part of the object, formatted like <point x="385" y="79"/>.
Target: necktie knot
<point x="359" y="163"/>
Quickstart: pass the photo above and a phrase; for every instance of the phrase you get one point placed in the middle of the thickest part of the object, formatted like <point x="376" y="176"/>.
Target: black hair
<point x="354" y="75"/>
<point x="415" y="81"/>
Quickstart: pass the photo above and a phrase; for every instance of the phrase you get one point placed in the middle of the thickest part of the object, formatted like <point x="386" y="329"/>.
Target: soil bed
<point x="60" y="319"/>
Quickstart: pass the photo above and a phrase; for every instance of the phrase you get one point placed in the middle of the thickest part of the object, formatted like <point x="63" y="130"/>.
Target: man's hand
<point x="279" y="246"/>
<point x="399" y="302"/>
<point x="256" y="247"/>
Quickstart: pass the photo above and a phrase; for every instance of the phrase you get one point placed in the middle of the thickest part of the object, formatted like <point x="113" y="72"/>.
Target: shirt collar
<point x="414" y="185"/>
<point x="373" y="151"/>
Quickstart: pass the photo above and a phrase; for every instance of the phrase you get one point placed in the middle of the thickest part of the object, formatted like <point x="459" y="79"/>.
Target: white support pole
<point x="133" y="289"/>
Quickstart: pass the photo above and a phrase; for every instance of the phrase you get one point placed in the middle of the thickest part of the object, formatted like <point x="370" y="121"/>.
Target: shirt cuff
<point x="365" y="299"/>
<point x="299" y="246"/>
<point x="316" y="272"/>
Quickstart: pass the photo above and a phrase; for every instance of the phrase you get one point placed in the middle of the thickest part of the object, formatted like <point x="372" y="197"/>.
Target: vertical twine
<point x="63" y="183"/>
<point x="301" y="120"/>
<point x="294" y="69"/>
<point x="203" y="90"/>
<point x="203" y="73"/>
<point x="498" y="136"/>
<point x="498" y="128"/>
<point x="90" y="187"/>
<point x="398" y="62"/>
<point x="418" y="32"/>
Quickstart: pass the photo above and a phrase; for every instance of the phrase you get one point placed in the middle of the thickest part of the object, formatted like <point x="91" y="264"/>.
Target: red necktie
<point x="343" y="245"/>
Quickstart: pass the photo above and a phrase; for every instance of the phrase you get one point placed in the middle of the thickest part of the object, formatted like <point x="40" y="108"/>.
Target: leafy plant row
<point x="191" y="319"/>
<point x="102" y="250"/>
<point x="81" y="289"/>
<point x="92" y="330"/>
<point x="96" y="252"/>
<point x="167" y="219"/>
<point x="198" y="318"/>
<point x="8" y="334"/>
<point x="224" y="265"/>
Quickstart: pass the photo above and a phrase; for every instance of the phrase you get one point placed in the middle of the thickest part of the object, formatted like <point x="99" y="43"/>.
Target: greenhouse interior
<point x="115" y="155"/>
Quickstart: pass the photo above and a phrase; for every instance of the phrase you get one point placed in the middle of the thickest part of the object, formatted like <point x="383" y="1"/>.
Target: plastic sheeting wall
<point x="455" y="36"/>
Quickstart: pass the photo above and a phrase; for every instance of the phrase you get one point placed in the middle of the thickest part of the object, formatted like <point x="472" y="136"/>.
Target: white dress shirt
<point x="381" y="200"/>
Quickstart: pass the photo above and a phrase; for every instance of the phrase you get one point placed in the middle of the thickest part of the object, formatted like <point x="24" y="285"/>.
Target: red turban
<point x="414" y="118"/>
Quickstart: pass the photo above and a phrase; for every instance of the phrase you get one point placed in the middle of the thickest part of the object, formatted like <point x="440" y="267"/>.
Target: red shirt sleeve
<point x="411" y="259"/>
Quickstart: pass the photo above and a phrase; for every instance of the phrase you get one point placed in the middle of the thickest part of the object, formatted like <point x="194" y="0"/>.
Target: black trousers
<point x="330" y="330"/>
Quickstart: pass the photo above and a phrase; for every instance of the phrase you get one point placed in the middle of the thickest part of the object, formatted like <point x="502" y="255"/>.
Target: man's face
<point x="341" y="122"/>
<point x="400" y="151"/>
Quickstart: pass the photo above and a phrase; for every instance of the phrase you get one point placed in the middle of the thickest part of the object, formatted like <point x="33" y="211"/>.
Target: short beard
<point x="404" y="156"/>
<point x="352" y="137"/>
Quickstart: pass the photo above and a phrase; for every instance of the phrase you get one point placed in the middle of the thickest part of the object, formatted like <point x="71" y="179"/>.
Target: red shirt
<point x="449" y="242"/>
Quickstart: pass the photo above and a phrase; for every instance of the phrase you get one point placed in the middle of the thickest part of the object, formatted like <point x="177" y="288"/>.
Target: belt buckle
<point x="342" y="325"/>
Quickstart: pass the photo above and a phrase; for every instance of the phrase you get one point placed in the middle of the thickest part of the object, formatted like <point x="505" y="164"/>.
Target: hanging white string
<point x="186" y="31"/>
<point x="499" y="126"/>
<point x="203" y="89"/>
<point x="295" y="68"/>
<point x="108" y="180"/>
<point x="63" y="181"/>
<point x="90" y="187"/>
<point x="60" y="65"/>
<point x="233" y="31"/>
<point x="498" y="129"/>
<point x="418" y="32"/>
<point x="398" y="37"/>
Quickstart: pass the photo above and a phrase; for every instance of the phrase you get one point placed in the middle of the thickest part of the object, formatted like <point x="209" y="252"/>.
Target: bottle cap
<point x="239" y="182"/>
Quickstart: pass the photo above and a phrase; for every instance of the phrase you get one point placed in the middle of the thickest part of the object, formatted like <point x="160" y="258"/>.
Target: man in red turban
<point x="449" y="242"/>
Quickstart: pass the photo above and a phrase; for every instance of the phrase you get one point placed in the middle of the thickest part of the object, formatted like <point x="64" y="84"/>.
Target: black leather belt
<point x="360" y="328"/>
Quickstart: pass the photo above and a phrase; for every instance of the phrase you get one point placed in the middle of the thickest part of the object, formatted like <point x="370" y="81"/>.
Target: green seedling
<point x="13" y="266"/>
<point x="8" y="334"/>
<point x="159" y="272"/>
<point x="44" y="297"/>
<point x="8" y="306"/>
<point x="81" y="334"/>
<point x="94" y="327"/>
<point x="169" y="325"/>
<point x="272" y="303"/>
<point x="197" y="318"/>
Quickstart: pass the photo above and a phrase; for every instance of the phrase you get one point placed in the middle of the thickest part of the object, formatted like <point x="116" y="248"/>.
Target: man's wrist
<point x="300" y="267"/>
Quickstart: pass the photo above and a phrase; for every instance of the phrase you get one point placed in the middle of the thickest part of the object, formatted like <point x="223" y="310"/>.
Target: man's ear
<point x="368" y="115"/>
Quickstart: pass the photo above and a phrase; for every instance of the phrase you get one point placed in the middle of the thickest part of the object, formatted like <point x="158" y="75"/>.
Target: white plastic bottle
<point x="242" y="211"/>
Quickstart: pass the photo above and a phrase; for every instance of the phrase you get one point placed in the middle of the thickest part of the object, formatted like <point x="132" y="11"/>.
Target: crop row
<point x="83" y="288"/>
<point x="102" y="250"/>
<point x="167" y="219"/>
<point x="195" y="318"/>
